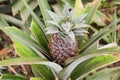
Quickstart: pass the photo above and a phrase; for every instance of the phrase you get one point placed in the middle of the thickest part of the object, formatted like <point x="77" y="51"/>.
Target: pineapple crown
<point x="66" y="26"/>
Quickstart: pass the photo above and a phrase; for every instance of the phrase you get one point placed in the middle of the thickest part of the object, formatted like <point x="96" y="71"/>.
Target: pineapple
<point x="64" y="29"/>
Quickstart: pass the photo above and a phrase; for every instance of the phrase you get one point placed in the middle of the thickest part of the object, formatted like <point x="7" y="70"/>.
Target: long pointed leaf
<point x="36" y="31"/>
<point x="12" y="77"/>
<point x="12" y="20"/>
<point x="78" y="8"/>
<point x="36" y="78"/>
<point x="21" y="39"/>
<point x="91" y="10"/>
<point x="93" y="64"/>
<point x="3" y="22"/>
<point x="99" y="35"/>
<point x="44" y="71"/>
<point x="16" y="34"/>
<point x="24" y="13"/>
<point x="17" y="6"/>
<point x="107" y="74"/>
<point x="42" y="26"/>
<point x="20" y="61"/>
<point x="23" y="50"/>
<point x="34" y="60"/>
<point x="33" y="14"/>
<point x="74" y="64"/>
<point x="44" y="6"/>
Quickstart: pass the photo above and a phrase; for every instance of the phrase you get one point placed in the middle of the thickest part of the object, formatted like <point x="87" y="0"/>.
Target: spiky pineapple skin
<point x="60" y="50"/>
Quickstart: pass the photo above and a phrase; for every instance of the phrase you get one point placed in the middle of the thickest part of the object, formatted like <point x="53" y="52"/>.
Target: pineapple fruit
<point x="64" y="29"/>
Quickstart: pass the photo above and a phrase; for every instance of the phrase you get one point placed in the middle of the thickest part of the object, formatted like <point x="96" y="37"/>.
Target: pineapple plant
<point x="64" y="29"/>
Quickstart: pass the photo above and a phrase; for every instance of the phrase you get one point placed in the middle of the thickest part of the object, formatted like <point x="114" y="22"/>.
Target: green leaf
<point x="57" y="8"/>
<point x="39" y="36"/>
<point x="92" y="47"/>
<point x="114" y="34"/>
<point x="108" y="29"/>
<point x="23" y="60"/>
<point x="100" y="18"/>
<point x="2" y="0"/>
<point x="66" y="27"/>
<point x="80" y="18"/>
<point x="44" y="6"/>
<point x="66" y="10"/>
<point x="110" y="45"/>
<point x="91" y="10"/>
<point x="17" y="6"/>
<point x="24" y="39"/>
<point x="52" y="30"/>
<point x="110" y="48"/>
<point x="3" y="22"/>
<point x="106" y="74"/>
<point x="54" y="16"/>
<point x="12" y="77"/>
<point x="23" y="50"/>
<point x="68" y="71"/>
<point x="36" y="78"/>
<point x="24" y="13"/>
<point x="81" y="25"/>
<point x="93" y="64"/>
<point x="71" y="2"/>
<point x="35" y="17"/>
<point x="31" y="60"/>
<point x="12" y="20"/>
<point x="44" y="71"/>
<point x="117" y="2"/>
<point x="78" y="8"/>
<point x="53" y="23"/>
